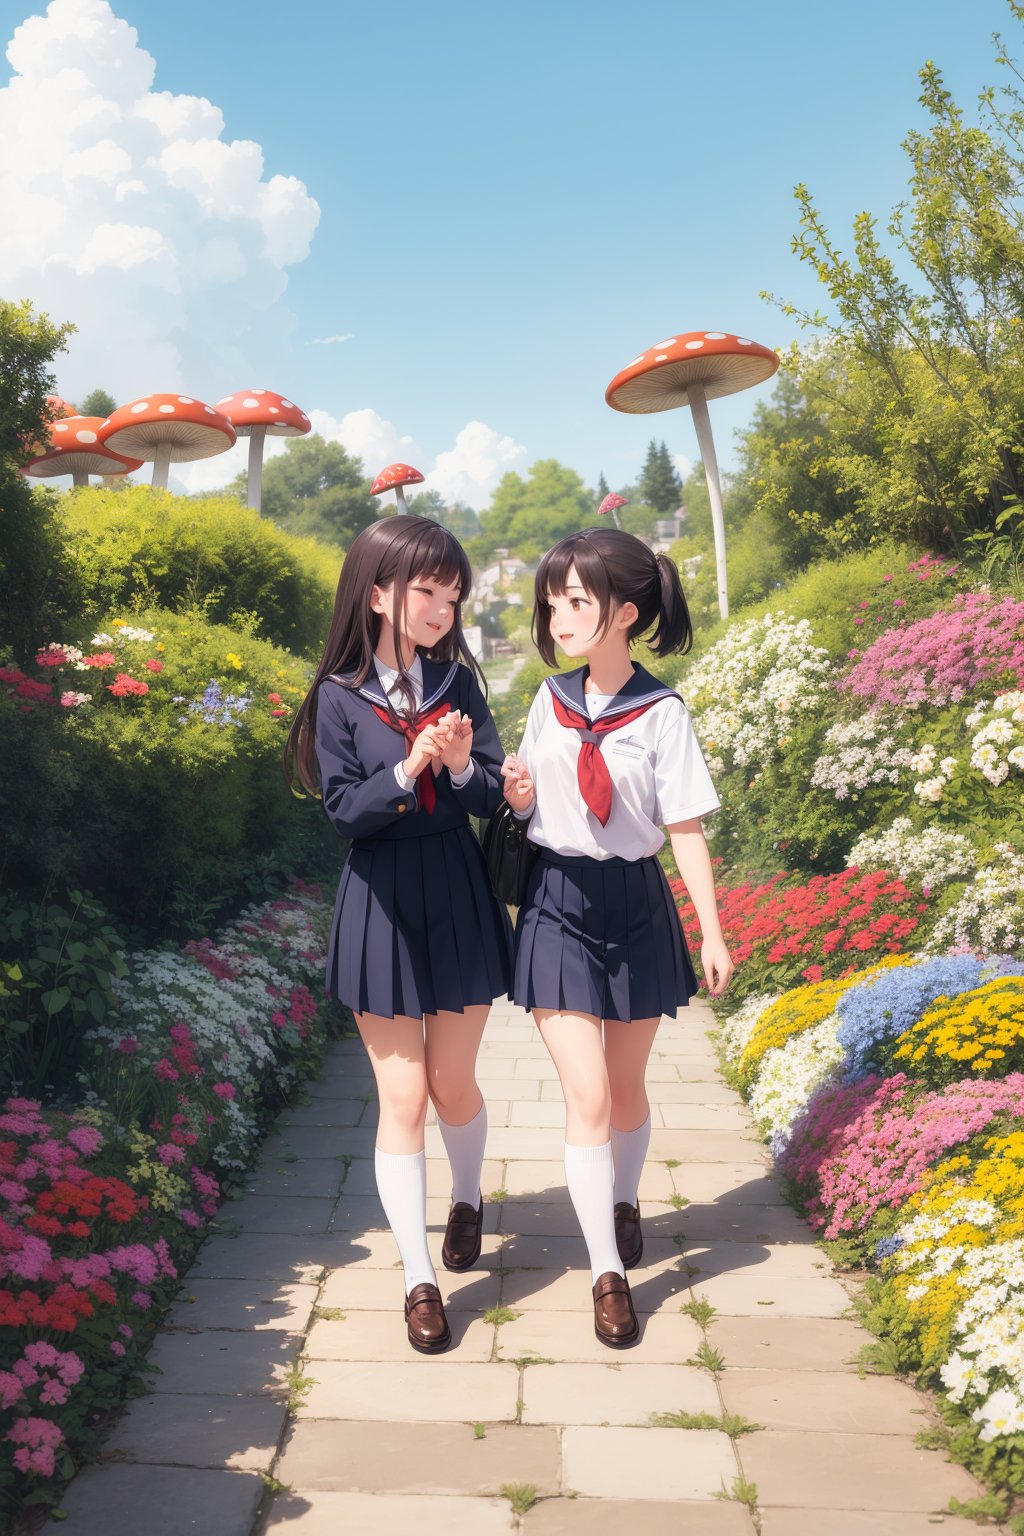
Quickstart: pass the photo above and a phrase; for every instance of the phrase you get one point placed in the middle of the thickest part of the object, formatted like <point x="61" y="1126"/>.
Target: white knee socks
<point x="465" y="1147"/>
<point x="402" y="1186"/>
<point x="588" y="1175"/>
<point x="629" y="1149"/>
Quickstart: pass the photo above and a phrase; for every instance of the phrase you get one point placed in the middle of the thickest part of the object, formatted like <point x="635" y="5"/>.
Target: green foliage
<point x="132" y="548"/>
<point x="28" y="345"/>
<point x="317" y="490"/>
<point x="459" y="518"/>
<point x="659" y="485"/>
<point x="60" y="963"/>
<point x="528" y="516"/>
<point x="167" y="816"/>
<point x="98" y="402"/>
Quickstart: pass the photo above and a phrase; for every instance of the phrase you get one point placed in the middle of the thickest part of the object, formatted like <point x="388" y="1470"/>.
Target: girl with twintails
<point x="396" y="735"/>
<point x="609" y="758"/>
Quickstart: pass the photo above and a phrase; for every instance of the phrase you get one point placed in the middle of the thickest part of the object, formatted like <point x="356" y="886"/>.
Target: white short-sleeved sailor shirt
<point x="658" y="773"/>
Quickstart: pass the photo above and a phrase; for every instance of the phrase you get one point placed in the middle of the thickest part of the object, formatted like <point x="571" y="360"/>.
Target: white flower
<point x="930" y="855"/>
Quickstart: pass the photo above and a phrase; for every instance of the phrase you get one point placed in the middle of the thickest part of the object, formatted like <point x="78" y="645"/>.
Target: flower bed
<point x="102" y="1205"/>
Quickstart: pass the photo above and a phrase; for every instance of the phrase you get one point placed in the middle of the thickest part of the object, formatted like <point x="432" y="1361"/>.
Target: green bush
<point x="39" y="584"/>
<point x="133" y="548"/>
<point x="167" y="809"/>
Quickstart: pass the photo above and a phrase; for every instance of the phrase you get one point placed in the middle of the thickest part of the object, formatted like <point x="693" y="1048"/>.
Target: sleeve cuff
<point x="708" y="808"/>
<point x="459" y="779"/>
<point x="402" y="778"/>
<point x="524" y="815"/>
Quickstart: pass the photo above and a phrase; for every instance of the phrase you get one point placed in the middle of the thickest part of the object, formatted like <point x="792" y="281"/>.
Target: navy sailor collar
<point x="641" y="688"/>
<point x="437" y="679"/>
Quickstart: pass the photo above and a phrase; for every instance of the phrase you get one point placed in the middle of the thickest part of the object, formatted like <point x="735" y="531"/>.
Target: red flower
<point x="275" y="698"/>
<point x="124" y="685"/>
<point x="100" y="659"/>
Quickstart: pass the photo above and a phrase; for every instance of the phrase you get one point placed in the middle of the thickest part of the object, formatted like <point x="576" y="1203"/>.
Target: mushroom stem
<point x="403" y="505"/>
<point x="161" y="466"/>
<point x="256" y="438"/>
<point x="702" y="422"/>
<point x="79" y="477"/>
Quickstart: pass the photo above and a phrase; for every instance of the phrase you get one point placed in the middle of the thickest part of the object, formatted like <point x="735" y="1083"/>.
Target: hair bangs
<point x="575" y="552"/>
<point x="437" y="555"/>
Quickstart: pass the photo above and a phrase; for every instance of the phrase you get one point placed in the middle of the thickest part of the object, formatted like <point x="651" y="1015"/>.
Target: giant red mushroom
<point x="393" y="478"/>
<point x="610" y="507"/>
<point x="75" y="449"/>
<point x="256" y="414"/>
<point x="691" y="369"/>
<point x="167" y="429"/>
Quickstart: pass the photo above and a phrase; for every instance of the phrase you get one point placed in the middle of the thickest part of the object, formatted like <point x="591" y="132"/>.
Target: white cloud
<point x="369" y="436"/>
<point x="130" y="213"/>
<point x="471" y="470"/>
<point x="329" y="341"/>
<point x="683" y="466"/>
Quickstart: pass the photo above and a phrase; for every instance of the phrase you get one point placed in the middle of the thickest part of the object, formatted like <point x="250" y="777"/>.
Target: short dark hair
<point x="615" y="568"/>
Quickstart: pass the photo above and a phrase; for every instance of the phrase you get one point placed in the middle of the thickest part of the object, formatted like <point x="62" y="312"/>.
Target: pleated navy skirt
<point x="603" y="937"/>
<point x="417" y="928"/>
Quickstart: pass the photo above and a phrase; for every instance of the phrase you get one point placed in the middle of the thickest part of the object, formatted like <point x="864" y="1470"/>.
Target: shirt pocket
<point x="628" y="747"/>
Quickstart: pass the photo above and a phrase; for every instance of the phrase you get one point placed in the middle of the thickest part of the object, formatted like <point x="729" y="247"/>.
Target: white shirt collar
<point x="389" y="675"/>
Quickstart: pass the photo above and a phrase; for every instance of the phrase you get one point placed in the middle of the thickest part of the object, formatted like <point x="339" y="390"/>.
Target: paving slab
<point x="851" y="1472"/>
<point x="824" y="1400"/>
<point x="126" y="1500"/>
<point x="648" y="1463"/>
<point x="705" y="1117"/>
<point x="286" y="1213"/>
<point x="327" y="1113"/>
<point x="192" y="1430"/>
<point x="733" y="1223"/>
<point x="242" y="1305"/>
<point x="789" y="1296"/>
<point x="756" y="1260"/>
<point x="370" y="1290"/>
<point x="317" y="1179"/>
<point x="397" y="1457"/>
<point x="619" y="1393"/>
<point x="615" y="1517"/>
<point x="539" y="1290"/>
<point x="876" y="1522"/>
<point x="774" y="1343"/>
<point x="223" y="1363"/>
<point x="382" y="1336"/>
<point x="457" y="1393"/>
<point x="401" y="1514"/>
<point x="569" y="1336"/>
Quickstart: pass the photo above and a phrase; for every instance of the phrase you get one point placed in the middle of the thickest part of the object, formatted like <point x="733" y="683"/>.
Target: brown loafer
<point x="463" y="1236"/>
<point x="427" y="1324"/>
<point x="629" y="1239"/>
<point x="615" y="1321"/>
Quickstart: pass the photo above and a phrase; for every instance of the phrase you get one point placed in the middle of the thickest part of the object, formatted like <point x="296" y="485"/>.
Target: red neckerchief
<point x="426" y="792"/>
<point x="591" y="769"/>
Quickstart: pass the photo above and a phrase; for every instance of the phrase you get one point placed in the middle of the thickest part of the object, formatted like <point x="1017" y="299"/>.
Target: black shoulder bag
<point x="509" y="854"/>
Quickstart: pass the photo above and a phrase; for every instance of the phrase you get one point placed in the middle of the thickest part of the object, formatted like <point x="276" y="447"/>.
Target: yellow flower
<point x="234" y="660"/>
<point x="118" y="623"/>
<point x="160" y="645"/>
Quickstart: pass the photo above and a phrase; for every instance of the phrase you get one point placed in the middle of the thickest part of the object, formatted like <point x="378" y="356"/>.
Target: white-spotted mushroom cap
<point x="187" y="427"/>
<point x="75" y="449"/>
<point x="658" y="380"/>
<point x="611" y="504"/>
<point x="395" y="475"/>
<point x="262" y="408"/>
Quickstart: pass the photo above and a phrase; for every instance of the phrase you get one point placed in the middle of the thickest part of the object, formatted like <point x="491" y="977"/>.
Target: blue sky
<point x="514" y="201"/>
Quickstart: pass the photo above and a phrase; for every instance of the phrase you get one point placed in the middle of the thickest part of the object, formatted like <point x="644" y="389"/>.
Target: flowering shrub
<point x="873" y="1015"/>
<point x="862" y="1149"/>
<point x="750" y="688"/>
<point x="783" y="928"/>
<point x="790" y="1076"/>
<point x="860" y="753"/>
<point x="923" y="856"/>
<point x="978" y="642"/>
<point x="981" y="1032"/>
<point x="989" y="913"/>
<point x="791" y="1014"/>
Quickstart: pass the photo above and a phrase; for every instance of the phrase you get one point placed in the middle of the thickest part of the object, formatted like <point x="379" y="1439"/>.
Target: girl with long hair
<point x="609" y="758"/>
<point x="397" y="736"/>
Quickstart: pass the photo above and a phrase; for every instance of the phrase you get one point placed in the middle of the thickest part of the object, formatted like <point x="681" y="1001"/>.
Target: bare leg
<point x="627" y="1047"/>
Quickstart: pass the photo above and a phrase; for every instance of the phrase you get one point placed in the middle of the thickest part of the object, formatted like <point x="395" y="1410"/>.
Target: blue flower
<point x="887" y="1246"/>
<point x="882" y="1007"/>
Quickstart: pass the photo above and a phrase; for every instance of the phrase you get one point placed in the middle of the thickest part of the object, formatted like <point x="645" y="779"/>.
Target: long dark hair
<point x="615" y="568"/>
<point x="393" y="551"/>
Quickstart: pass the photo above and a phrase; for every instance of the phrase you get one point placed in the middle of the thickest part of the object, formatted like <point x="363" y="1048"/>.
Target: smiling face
<point x="574" y="616"/>
<point x="431" y="607"/>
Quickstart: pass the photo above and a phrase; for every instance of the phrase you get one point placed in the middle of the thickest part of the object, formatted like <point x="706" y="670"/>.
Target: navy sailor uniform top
<point x="358" y="753"/>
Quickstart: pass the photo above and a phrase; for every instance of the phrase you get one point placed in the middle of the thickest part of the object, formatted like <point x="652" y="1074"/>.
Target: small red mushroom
<point x="393" y="478"/>
<point x="167" y="429"/>
<point x="691" y="369"/>
<point x="75" y="449"/>
<point x="610" y="507"/>
<point x="255" y="414"/>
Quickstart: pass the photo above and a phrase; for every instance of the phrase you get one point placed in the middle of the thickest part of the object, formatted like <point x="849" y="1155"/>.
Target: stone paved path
<point x="303" y="1280"/>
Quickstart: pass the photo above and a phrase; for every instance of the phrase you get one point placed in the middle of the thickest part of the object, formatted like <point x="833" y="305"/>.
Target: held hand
<point x="519" y="788"/>
<point x="427" y="748"/>
<point x="455" y="756"/>
<point x="718" y="967"/>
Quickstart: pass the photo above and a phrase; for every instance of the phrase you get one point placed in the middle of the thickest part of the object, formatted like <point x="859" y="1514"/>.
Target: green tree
<point x="316" y="489"/>
<point x="36" y="578"/>
<point x="659" y="485"/>
<point x="97" y="403"/>
<point x="528" y="516"/>
<point x="916" y="372"/>
<point x="602" y="488"/>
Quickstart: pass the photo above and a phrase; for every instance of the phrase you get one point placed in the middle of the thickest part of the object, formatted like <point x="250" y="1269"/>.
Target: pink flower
<point x="86" y="1138"/>
<point x="142" y="1300"/>
<point x="224" y="1090"/>
<point x="168" y="1153"/>
<point x="152" y="665"/>
<point x="189" y="1218"/>
<point x="128" y="1045"/>
<point x="116" y="1348"/>
<point x="165" y="1071"/>
<point x="100" y="659"/>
